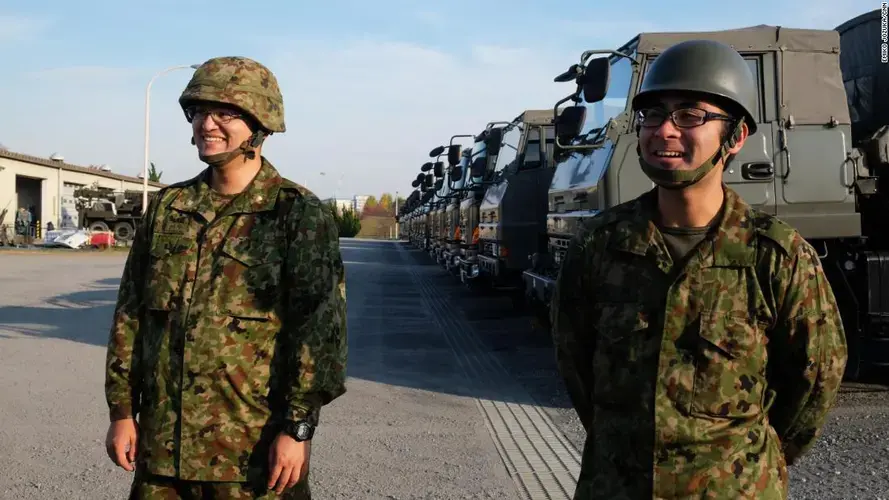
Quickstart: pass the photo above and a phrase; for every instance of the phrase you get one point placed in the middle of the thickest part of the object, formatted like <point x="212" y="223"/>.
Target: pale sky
<point x="369" y="87"/>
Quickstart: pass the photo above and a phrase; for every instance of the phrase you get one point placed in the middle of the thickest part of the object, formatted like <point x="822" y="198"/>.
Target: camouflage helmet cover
<point x="707" y="67"/>
<point x="240" y="82"/>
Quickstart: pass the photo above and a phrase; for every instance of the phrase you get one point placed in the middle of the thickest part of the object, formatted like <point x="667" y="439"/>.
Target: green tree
<point x="348" y="224"/>
<point x="153" y="174"/>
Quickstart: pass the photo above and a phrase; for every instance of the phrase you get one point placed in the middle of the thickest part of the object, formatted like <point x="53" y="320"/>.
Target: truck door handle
<point x="758" y="171"/>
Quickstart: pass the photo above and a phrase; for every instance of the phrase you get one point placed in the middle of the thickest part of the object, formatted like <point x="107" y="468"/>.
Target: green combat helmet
<point x="706" y="67"/>
<point x="245" y="84"/>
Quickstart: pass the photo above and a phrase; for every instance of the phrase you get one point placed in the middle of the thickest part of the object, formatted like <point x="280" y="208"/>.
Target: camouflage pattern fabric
<point x="242" y="83"/>
<point x="702" y="381"/>
<point x="167" y="488"/>
<point x="226" y="324"/>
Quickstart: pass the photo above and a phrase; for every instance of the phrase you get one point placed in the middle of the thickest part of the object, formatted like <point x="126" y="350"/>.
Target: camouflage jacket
<point x="226" y="325"/>
<point x="697" y="381"/>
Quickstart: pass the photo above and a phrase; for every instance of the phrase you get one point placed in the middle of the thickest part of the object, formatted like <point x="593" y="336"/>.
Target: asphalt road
<point x="409" y="426"/>
<point x="451" y="395"/>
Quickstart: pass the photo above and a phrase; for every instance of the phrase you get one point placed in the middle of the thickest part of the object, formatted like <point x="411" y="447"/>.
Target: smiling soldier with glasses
<point x="229" y="333"/>
<point x="698" y="337"/>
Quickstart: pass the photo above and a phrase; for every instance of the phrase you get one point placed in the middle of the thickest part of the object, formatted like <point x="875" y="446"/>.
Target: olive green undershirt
<point x="681" y="241"/>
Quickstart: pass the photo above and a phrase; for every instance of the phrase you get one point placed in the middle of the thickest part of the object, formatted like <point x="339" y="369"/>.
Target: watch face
<point x="302" y="431"/>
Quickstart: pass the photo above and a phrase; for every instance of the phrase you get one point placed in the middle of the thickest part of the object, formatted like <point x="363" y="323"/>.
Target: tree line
<point x="384" y="207"/>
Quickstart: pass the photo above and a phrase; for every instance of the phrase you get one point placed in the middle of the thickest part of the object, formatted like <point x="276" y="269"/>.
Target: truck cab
<point x="481" y="170"/>
<point x="512" y="214"/>
<point x="459" y="175"/>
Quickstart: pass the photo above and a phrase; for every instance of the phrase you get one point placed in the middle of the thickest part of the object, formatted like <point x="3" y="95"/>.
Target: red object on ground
<point x="102" y="239"/>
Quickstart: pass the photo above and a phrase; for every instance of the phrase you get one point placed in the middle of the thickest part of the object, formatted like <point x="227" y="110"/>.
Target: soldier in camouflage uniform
<point x="698" y="338"/>
<point x="229" y="333"/>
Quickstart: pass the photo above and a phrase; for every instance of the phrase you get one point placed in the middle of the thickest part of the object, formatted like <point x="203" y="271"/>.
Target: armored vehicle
<point x="819" y="159"/>
<point x="512" y="215"/>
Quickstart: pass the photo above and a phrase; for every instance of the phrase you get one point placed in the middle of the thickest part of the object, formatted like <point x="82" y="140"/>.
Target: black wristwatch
<point x="299" y="430"/>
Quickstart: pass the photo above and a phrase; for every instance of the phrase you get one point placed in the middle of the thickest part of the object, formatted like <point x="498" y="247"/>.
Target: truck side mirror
<point x="426" y="167"/>
<point x="415" y="183"/>
<point x="594" y="80"/>
<point x="454" y="154"/>
<point x="438" y="169"/>
<point x="429" y="180"/>
<point x="456" y="172"/>
<point x="437" y="151"/>
<point x="569" y="123"/>
<point x="477" y="169"/>
<point x="492" y="141"/>
<point x="438" y="184"/>
<point x="421" y="178"/>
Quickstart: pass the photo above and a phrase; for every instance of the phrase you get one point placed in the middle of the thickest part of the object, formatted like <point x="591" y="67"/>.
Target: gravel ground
<point x="850" y="461"/>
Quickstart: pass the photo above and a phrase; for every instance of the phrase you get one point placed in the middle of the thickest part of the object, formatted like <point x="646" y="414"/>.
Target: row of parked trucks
<point x="498" y="208"/>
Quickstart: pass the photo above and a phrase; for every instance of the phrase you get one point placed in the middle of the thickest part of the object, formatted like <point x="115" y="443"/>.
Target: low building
<point x="45" y="187"/>
<point x="359" y="202"/>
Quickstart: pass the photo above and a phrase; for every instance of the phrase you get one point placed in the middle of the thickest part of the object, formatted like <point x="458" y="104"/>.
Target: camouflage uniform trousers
<point x="151" y="487"/>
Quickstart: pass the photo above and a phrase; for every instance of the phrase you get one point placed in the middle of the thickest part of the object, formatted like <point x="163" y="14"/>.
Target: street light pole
<point x="396" y="216"/>
<point x="147" y="129"/>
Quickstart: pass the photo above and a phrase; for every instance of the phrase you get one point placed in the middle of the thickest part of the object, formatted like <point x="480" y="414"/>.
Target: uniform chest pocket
<point x="622" y="333"/>
<point x="169" y="259"/>
<point x="250" y="276"/>
<point x="730" y="361"/>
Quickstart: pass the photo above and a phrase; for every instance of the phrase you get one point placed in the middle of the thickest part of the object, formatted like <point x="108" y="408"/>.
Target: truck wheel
<point x="98" y="226"/>
<point x="123" y="231"/>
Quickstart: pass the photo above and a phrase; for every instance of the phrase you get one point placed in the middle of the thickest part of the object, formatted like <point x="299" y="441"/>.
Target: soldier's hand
<point x="288" y="462"/>
<point x="121" y="442"/>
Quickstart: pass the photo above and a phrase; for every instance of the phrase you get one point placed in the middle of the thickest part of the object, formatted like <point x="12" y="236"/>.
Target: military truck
<point x="513" y="211"/>
<point x="819" y="159"/>
<point x="458" y="168"/>
<point x="104" y="209"/>
<point x="404" y="215"/>
<point x="422" y="214"/>
<point x="444" y="193"/>
<point x="486" y="147"/>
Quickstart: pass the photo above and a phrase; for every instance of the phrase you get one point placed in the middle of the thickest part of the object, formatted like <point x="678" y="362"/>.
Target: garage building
<point x="46" y="187"/>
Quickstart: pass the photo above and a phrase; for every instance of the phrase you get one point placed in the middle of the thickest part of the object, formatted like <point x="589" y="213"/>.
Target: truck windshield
<point x="508" y="148"/>
<point x="464" y="167"/>
<point x="479" y="153"/>
<point x="615" y="101"/>
<point x="532" y="147"/>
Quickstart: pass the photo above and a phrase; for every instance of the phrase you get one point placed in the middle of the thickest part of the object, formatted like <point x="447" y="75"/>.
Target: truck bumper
<point x="468" y="268"/>
<point x="449" y="259"/>
<point x="489" y="265"/>
<point x="538" y="286"/>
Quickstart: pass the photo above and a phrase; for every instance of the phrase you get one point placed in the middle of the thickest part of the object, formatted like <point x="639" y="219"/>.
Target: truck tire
<point x="98" y="225"/>
<point x="123" y="231"/>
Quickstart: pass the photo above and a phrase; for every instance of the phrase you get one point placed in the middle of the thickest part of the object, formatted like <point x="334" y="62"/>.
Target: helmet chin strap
<point x="247" y="148"/>
<point x="680" y="179"/>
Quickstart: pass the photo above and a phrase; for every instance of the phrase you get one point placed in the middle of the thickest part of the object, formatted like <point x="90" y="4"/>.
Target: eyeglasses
<point x="682" y="118"/>
<point x="221" y="116"/>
